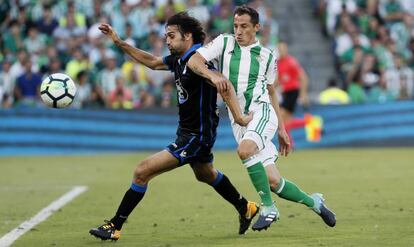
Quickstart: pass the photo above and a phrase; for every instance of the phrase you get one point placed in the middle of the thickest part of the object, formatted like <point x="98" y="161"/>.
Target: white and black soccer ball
<point x="57" y="90"/>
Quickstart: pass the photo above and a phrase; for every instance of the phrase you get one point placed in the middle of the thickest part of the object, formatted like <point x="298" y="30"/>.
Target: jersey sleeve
<point x="271" y="73"/>
<point x="169" y="61"/>
<point x="213" y="49"/>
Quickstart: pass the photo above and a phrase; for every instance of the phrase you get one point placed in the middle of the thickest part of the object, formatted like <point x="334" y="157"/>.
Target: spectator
<point x="167" y="96"/>
<point x="47" y="24"/>
<point x="121" y="96"/>
<point x="35" y="43"/>
<point x="17" y="69"/>
<point x="391" y="11"/>
<point x="168" y="9"/>
<point x="401" y="33"/>
<point x="119" y="18"/>
<point x="28" y="86"/>
<point x="333" y="95"/>
<point x="83" y="90"/>
<point x="380" y="93"/>
<point x="143" y="20"/>
<point x="107" y="77"/>
<point x="78" y="18"/>
<point x="50" y="62"/>
<point x="57" y="35"/>
<point x="7" y="81"/>
<point x="356" y="91"/>
<point x="198" y="11"/>
<point x="400" y="79"/>
<point x="78" y="63"/>
<point x="55" y="66"/>
<point x="223" y="22"/>
<point x="13" y="38"/>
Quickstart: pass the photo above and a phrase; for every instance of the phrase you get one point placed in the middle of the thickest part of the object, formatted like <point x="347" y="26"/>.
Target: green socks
<point x="259" y="179"/>
<point x="290" y="191"/>
<point x="286" y="189"/>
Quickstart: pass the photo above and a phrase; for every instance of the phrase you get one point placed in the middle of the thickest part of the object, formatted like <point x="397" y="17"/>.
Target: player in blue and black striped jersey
<point x="196" y="133"/>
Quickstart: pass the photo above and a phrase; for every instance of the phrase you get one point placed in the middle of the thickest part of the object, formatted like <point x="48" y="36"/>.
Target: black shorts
<point x="188" y="149"/>
<point x="290" y="99"/>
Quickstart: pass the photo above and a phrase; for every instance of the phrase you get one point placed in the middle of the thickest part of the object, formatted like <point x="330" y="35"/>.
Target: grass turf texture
<point x="369" y="189"/>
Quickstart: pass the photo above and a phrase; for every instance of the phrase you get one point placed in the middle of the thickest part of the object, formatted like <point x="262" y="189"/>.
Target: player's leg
<point x="286" y="189"/>
<point x="205" y="172"/>
<point x="290" y="191"/>
<point x="147" y="169"/>
<point x="279" y="185"/>
<point x="261" y="129"/>
<point x="247" y="152"/>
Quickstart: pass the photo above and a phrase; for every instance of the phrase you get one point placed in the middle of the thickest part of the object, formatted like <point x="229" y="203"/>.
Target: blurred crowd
<point x="373" y="47"/>
<point x="38" y="38"/>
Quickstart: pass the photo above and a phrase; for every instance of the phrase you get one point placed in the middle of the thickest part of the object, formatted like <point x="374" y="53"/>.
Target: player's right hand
<point x="245" y="119"/>
<point x="109" y="31"/>
<point x="221" y="82"/>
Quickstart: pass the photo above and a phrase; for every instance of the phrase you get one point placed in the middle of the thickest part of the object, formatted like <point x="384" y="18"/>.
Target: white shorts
<point x="261" y="130"/>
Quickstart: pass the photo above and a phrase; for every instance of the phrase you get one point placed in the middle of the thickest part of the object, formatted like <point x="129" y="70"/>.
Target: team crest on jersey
<point x="182" y="93"/>
<point x="259" y="58"/>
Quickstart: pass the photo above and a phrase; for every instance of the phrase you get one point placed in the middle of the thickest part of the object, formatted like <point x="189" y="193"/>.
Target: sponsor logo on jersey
<point x="182" y="93"/>
<point x="259" y="58"/>
<point x="183" y="154"/>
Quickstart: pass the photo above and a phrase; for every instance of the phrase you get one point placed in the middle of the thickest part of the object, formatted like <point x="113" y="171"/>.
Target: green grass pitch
<point x="371" y="191"/>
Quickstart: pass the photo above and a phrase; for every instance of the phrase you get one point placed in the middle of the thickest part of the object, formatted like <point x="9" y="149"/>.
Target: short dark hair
<point x="244" y="9"/>
<point x="188" y="24"/>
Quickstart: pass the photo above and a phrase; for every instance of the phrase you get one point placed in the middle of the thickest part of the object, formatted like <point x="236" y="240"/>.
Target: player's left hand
<point x="284" y="141"/>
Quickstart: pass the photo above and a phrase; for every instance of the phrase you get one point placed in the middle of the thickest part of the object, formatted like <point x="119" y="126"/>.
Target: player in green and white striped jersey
<point x="251" y="69"/>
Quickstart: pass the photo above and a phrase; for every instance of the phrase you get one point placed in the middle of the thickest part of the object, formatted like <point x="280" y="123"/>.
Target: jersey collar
<point x="192" y="48"/>
<point x="252" y="45"/>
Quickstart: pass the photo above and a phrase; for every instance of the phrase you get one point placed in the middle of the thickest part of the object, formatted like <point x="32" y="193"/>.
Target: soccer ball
<point x="57" y="90"/>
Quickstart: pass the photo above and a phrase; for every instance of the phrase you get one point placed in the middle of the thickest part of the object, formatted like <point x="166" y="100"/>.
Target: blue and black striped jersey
<point x="197" y="99"/>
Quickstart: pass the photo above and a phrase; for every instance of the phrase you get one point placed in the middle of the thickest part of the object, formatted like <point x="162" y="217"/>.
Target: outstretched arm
<point x="138" y="55"/>
<point x="229" y="96"/>
<point x="283" y="138"/>
<point x="198" y="65"/>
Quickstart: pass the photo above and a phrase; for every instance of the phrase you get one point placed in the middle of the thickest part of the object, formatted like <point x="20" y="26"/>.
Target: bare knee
<point x="246" y="150"/>
<point x="141" y="175"/>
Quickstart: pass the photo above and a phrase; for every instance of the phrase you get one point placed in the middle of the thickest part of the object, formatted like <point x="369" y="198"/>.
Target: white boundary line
<point x="17" y="232"/>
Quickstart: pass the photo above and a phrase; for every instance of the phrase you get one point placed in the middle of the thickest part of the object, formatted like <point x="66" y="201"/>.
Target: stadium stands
<point x="63" y="36"/>
<point x="373" y="46"/>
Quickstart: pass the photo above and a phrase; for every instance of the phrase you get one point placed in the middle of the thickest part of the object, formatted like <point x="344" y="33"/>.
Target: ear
<point x="257" y="27"/>
<point x="188" y="36"/>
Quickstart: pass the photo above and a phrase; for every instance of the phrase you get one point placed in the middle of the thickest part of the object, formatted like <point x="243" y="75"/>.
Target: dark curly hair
<point x="188" y="24"/>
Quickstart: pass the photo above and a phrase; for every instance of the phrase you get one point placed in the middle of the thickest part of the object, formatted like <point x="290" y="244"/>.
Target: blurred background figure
<point x="121" y="96"/>
<point x="83" y="97"/>
<point x="27" y="86"/>
<point x="7" y="81"/>
<point x="293" y="81"/>
<point x="333" y="94"/>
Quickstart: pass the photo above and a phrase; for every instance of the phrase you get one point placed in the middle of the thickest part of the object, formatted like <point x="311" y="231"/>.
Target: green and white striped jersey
<point x="249" y="68"/>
